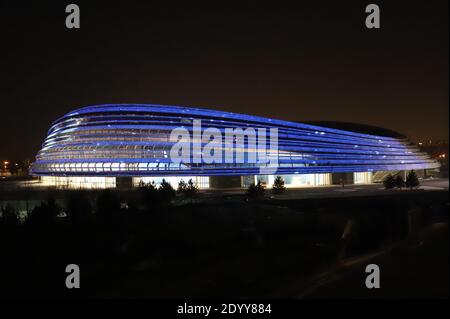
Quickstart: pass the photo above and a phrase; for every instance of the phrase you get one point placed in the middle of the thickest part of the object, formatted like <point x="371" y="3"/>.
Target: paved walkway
<point x="339" y="191"/>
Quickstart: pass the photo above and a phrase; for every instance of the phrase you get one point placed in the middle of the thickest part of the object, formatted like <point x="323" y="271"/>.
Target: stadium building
<point x="121" y="145"/>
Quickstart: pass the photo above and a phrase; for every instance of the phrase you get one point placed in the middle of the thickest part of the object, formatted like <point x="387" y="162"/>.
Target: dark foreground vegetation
<point x="143" y="243"/>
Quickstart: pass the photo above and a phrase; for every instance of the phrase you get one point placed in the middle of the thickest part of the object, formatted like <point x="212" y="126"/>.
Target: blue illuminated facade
<point x="128" y="140"/>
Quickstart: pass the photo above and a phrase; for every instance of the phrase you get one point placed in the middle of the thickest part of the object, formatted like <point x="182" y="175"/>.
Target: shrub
<point x="79" y="208"/>
<point x="399" y="182"/>
<point x="191" y="189"/>
<point x="278" y="185"/>
<point x="45" y="214"/>
<point x="188" y="189"/>
<point x="166" y="193"/>
<point x="412" y="181"/>
<point x="108" y="204"/>
<point x="256" y="191"/>
<point x="149" y="193"/>
<point x="389" y="182"/>
<point x="182" y="186"/>
<point x="9" y="216"/>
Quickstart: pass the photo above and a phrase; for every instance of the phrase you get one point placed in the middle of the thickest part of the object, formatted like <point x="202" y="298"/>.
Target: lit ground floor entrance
<point x="208" y="182"/>
<point x="297" y="180"/>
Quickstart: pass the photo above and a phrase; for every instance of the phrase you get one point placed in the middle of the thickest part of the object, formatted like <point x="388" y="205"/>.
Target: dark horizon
<point x="303" y="63"/>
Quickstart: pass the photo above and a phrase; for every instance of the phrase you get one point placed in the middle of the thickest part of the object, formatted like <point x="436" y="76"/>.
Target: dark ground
<point x="229" y="247"/>
<point x="414" y="269"/>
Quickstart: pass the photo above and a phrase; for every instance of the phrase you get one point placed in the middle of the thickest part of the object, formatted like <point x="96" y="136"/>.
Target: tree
<point x="9" y="215"/>
<point x="188" y="189"/>
<point x="45" y="214"/>
<point x="79" y="209"/>
<point x="108" y="204"/>
<point x="13" y="168"/>
<point x="149" y="194"/>
<point x="182" y="186"/>
<point x="399" y="182"/>
<point x="389" y="182"/>
<point x="256" y="191"/>
<point x="151" y="186"/>
<point x="166" y="192"/>
<point x="191" y="189"/>
<point x="278" y="185"/>
<point x="412" y="181"/>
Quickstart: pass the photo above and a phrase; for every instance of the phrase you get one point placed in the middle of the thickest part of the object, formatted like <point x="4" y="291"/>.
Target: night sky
<point x="301" y="63"/>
